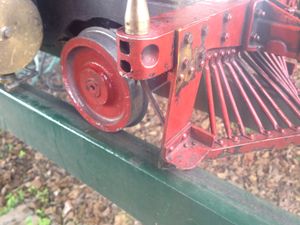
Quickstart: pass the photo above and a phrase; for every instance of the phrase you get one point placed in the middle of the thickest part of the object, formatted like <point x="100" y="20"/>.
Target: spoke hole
<point x="125" y="47"/>
<point x="125" y="66"/>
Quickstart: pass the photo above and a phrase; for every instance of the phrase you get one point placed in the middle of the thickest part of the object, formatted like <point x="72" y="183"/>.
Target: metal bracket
<point x="273" y="28"/>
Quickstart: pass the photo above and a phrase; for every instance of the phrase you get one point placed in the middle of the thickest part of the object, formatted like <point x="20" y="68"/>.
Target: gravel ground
<point x="49" y="194"/>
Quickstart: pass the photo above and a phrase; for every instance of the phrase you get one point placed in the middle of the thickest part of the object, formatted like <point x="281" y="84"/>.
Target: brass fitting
<point x="137" y="17"/>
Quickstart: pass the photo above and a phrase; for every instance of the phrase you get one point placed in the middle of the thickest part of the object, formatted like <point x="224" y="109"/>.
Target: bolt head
<point x="260" y="13"/>
<point x="7" y="33"/>
<point x="192" y="70"/>
<point x="188" y="39"/>
<point x="185" y="64"/>
<point x="255" y="37"/>
<point x="225" y="37"/>
<point x="204" y="31"/>
<point x="227" y="17"/>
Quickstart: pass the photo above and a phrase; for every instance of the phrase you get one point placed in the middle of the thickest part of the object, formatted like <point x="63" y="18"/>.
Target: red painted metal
<point x="93" y="83"/>
<point x="231" y="54"/>
<point x="165" y="28"/>
<point x="276" y="29"/>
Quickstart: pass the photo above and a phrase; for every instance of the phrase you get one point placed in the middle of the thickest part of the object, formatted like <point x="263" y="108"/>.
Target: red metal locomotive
<point x="227" y="58"/>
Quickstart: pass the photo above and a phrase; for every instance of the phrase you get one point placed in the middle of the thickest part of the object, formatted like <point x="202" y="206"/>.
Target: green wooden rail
<point x="121" y="167"/>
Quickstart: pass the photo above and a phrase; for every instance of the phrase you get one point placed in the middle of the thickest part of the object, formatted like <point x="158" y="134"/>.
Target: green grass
<point x="41" y="220"/>
<point x="41" y="195"/>
<point x="12" y="201"/>
<point x="22" y="154"/>
<point x="10" y="147"/>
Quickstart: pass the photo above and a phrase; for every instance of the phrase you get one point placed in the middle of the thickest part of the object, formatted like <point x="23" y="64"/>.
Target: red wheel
<point x="95" y="87"/>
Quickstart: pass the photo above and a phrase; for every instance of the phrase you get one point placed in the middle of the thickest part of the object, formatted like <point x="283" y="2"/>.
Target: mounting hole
<point x="183" y="66"/>
<point x="150" y="56"/>
<point x="125" y="66"/>
<point x="125" y="47"/>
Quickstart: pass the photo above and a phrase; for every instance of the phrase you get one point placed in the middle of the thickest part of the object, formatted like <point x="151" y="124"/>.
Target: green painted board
<point x="122" y="168"/>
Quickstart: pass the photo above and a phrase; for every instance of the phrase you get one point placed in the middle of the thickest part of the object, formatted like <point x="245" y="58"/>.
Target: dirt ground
<point x="33" y="191"/>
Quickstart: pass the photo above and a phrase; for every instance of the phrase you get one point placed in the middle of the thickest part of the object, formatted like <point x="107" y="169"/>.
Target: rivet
<point x="235" y="139"/>
<point x="221" y="142"/>
<point x="200" y="60"/>
<point x="268" y="133"/>
<point x="251" y="136"/>
<point x="192" y="70"/>
<point x="181" y="76"/>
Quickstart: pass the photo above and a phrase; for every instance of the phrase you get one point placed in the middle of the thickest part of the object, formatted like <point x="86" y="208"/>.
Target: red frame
<point x="206" y="41"/>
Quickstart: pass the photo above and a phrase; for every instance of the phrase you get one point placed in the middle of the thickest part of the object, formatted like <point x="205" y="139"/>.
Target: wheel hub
<point x="97" y="86"/>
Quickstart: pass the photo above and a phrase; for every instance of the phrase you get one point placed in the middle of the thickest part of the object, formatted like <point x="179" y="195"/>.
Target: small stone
<point x="74" y="194"/>
<point x="67" y="208"/>
<point x="106" y="212"/>
<point x="36" y="183"/>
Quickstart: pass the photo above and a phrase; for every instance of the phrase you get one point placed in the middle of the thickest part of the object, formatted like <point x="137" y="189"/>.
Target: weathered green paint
<point x="121" y="168"/>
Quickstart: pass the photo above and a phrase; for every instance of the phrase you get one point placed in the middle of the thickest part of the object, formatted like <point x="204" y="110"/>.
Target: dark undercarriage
<point x="64" y="19"/>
